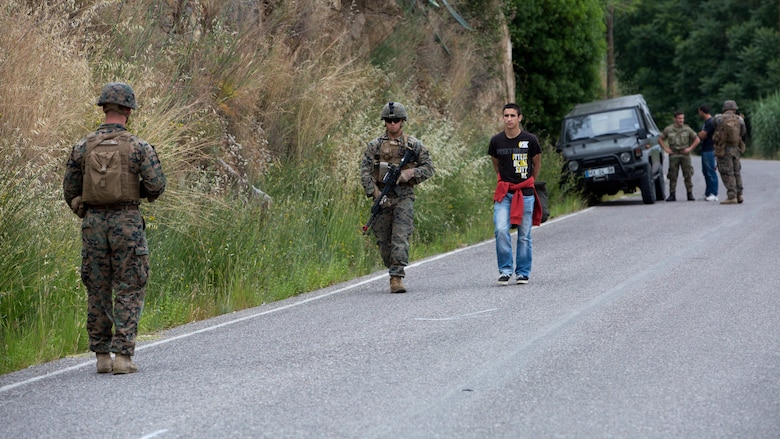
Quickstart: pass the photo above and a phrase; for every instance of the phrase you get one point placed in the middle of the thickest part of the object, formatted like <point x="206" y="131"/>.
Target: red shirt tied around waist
<point x="518" y="204"/>
<point x="517" y="159"/>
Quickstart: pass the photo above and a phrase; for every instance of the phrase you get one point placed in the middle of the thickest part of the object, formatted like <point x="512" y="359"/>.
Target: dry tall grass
<point x="232" y="94"/>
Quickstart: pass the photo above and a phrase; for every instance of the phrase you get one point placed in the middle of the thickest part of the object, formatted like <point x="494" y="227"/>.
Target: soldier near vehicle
<point x="106" y="176"/>
<point x="678" y="140"/>
<point x="394" y="224"/>
<point x="729" y="131"/>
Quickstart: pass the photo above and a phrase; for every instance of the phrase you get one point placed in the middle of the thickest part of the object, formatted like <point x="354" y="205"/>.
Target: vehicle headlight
<point x="625" y="157"/>
<point x="573" y="166"/>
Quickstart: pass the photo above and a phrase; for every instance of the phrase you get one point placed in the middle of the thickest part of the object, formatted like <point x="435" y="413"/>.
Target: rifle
<point x="390" y="180"/>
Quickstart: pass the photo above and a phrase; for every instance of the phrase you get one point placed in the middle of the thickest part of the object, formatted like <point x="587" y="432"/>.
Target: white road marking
<point x="458" y="317"/>
<point x="270" y="311"/>
<point x="154" y="434"/>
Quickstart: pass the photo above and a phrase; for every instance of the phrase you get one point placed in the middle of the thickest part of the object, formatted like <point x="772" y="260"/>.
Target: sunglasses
<point x="394" y="120"/>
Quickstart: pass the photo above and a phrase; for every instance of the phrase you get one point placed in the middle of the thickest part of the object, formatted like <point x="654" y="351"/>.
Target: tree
<point x="680" y="53"/>
<point x="610" y="8"/>
<point x="558" y="47"/>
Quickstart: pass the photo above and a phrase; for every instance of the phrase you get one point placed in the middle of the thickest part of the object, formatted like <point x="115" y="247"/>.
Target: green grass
<point x="290" y="117"/>
<point x="214" y="258"/>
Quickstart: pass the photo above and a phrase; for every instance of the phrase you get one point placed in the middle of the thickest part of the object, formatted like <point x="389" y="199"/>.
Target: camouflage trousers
<point x="730" y="170"/>
<point x="114" y="268"/>
<point x="677" y="161"/>
<point x="393" y="228"/>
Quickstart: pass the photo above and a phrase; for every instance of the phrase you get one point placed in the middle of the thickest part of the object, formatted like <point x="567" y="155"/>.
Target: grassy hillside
<point x="259" y="112"/>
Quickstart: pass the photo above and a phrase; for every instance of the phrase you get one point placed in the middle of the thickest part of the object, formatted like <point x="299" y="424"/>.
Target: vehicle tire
<point x="660" y="187"/>
<point x="647" y="186"/>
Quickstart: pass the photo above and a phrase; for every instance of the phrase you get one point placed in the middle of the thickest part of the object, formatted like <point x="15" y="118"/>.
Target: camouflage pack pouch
<point x="106" y="170"/>
<point x="720" y="149"/>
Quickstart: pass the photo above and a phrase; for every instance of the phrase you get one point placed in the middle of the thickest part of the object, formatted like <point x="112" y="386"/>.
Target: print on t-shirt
<point x="520" y="160"/>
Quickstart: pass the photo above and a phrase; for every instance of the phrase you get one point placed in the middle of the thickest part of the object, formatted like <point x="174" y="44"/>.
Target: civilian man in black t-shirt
<point x="708" y="154"/>
<point x="517" y="159"/>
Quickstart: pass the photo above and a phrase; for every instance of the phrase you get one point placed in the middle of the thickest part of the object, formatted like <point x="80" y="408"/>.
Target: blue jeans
<point x="710" y="175"/>
<point x="524" y="254"/>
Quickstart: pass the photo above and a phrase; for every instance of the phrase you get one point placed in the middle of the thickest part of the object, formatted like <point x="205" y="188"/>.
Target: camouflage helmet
<point x="393" y="110"/>
<point x="117" y="93"/>
<point x="729" y="105"/>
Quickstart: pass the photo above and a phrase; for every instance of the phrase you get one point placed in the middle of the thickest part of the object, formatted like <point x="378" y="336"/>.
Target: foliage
<point x="766" y="130"/>
<point x="558" y="47"/>
<point x="234" y="102"/>
<point x="681" y="53"/>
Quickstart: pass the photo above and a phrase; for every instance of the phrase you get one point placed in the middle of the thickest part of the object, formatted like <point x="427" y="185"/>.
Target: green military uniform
<point x="679" y="138"/>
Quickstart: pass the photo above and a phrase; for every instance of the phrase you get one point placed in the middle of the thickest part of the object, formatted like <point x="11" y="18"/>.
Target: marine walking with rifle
<point x="392" y="165"/>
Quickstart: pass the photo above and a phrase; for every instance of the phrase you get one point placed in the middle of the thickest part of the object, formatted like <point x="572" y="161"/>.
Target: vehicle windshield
<point x="599" y="124"/>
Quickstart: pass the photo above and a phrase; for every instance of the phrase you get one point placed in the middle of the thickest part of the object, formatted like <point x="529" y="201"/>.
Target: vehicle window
<point x="650" y="123"/>
<point x="599" y="124"/>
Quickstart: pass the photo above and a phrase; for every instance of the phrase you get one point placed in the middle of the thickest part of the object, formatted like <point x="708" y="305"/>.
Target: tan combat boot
<point x="104" y="362"/>
<point x="397" y="284"/>
<point x="124" y="364"/>
<point x="729" y="201"/>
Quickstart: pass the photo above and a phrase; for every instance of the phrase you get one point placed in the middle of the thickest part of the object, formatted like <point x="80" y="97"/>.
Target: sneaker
<point x="503" y="279"/>
<point x="522" y="280"/>
<point x="712" y="197"/>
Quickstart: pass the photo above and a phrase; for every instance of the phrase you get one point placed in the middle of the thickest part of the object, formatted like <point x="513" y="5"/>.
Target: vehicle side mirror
<point x="641" y="133"/>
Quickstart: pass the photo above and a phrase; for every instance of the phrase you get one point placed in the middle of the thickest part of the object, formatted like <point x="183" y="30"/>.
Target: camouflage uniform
<point x="730" y="169"/>
<point x="679" y="138"/>
<point x="395" y="224"/>
<point x="114" y="255"/>
<point x="729" y="164"/>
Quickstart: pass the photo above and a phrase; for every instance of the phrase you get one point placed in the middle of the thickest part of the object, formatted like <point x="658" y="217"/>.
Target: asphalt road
<point x="640" y="321"/>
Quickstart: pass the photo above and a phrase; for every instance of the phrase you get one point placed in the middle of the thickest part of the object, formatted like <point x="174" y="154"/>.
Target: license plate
<point x="599" y="172"/>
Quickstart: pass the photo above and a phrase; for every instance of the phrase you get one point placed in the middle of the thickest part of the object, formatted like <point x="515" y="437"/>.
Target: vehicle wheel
<point x="660" y="187"/>
<point x="647" y="186"/>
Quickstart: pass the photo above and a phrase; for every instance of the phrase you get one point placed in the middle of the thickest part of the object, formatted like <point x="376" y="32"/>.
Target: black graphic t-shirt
<point x="709" y="127"/>
<point x="514" y="156"/>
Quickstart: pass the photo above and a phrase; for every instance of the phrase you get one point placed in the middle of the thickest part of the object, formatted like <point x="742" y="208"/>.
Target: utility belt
<point x="115" y="206"/>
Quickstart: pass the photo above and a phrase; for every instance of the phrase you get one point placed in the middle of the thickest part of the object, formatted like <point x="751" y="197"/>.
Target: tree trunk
<point x="611" y="53"/>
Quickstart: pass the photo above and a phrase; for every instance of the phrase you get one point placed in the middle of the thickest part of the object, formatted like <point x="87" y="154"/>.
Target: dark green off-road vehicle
<point x="612" y="145"/>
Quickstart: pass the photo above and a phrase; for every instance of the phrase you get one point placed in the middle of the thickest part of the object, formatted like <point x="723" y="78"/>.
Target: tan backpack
<point x="106" y="170"/>
<point x="727" y="134"/>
